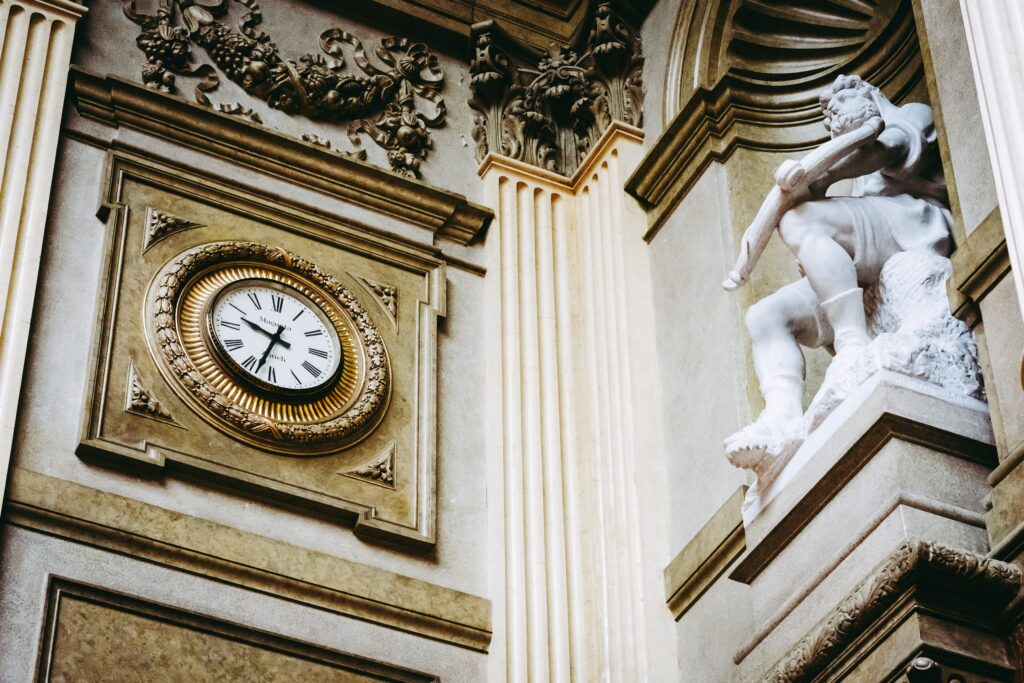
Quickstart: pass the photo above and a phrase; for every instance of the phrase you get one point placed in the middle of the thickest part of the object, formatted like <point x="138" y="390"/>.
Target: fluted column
<point x="35" y="51"/>
<point x="573" y="405"/>
<point x="995" y="34"/>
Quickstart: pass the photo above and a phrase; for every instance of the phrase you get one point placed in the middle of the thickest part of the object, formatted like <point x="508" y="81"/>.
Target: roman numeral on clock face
<point x="255" y="300"/>
<point x="277" y="301"/>
<point x="313" y="333"/>
<point x="230" y="326"/>
<point x="311" y="369"/>
<point x="271" y="375"/>
<point x="249" y="363"/>
<point x="233" y="344"/>
<point x="318" y="353"/>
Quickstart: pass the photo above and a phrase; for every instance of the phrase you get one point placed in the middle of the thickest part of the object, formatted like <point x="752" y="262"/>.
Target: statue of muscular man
<point x="898" y="204"/>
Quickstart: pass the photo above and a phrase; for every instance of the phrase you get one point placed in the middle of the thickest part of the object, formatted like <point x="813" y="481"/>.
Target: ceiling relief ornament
<point x="549" y="110"/>
<point x="160" y="224"/>
<point x="380" y="102"/>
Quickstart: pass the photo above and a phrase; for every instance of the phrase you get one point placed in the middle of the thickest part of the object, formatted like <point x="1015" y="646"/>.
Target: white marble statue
<point x="875" y="264"/>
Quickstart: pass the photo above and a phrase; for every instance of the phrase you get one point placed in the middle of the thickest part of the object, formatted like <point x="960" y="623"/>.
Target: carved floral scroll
<point x="378" y="101"/>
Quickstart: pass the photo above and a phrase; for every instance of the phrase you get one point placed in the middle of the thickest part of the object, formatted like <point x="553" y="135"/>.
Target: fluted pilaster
<point x="35" y="50"/>
<point x="995" y="29"/>
<point x="574" y="399"/>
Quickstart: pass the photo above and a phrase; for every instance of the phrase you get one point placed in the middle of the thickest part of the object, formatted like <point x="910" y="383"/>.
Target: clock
<point x="268" y="347"/>
<point x="274" y="337"/>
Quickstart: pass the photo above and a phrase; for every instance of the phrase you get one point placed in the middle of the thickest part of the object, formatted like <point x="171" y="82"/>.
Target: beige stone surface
<point x="29" y="559"/>
<point x="958" y="115"/>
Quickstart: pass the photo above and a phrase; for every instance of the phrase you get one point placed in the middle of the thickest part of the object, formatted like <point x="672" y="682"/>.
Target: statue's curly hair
<point x="844" y="82"/>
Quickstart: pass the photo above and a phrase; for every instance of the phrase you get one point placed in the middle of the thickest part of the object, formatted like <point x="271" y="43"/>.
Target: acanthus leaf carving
<point x="988" y="582"/>
<point x="141" y="401"/>
<point x="386" y="296"/>
<point x="380" y="102"/>
<point x="550" y="111"/>
<point x="160" y="224"/>
<point x="381" y="471"/>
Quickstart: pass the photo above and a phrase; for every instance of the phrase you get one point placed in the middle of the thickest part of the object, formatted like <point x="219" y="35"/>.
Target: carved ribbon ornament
<point x="377" y="101"/>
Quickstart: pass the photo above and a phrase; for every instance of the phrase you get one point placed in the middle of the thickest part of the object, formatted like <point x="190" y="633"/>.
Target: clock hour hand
<point x="261" y="329"/>
<point x="274" y="339"/>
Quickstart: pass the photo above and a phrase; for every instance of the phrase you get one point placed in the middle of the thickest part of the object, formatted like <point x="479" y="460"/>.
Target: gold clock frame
<point x="333" y="420"/>
<point x="240" y="276"/>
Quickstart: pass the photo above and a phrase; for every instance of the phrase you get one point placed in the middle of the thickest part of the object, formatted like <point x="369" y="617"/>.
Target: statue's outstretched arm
<point x="794" y="180"/>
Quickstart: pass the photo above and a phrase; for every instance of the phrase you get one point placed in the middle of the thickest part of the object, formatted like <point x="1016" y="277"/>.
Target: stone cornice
<point x="615" y="133"/>
<point x="119" y="102"/>
<point x="979" y="264"/>
<point x="706" y="556"/>
<point x="984" y="582"/>
<point x="447" y="24"/>
<point x="165" y="537"/>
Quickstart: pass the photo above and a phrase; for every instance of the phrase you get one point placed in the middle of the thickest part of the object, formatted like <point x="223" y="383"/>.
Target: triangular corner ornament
<point x="381" y="471"/>
<point x="385" y="295"/>
<point x="160" y="224"/>
<point x="140" y="401"/>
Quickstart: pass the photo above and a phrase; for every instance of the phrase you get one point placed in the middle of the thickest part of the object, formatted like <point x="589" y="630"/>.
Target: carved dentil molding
<point x="980" y="580"/>
<point x="549" y="111"/>
<point x="379" y="102"/>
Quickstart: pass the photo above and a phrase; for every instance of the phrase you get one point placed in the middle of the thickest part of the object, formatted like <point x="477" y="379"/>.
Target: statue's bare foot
<point x="772" y="436"/>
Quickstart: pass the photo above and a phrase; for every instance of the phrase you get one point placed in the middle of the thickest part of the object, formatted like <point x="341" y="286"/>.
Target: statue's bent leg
<point x="825" y="237"/>
<point x="778" y="325"/>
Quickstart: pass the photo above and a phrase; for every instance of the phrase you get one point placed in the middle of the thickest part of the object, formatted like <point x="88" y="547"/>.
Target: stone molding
<point x="706" y="557"/>
<point x="550" y="111"/>
<point x="448" y="24"/>
<point x="37" y="37"/>
<point x="152" y="619"/>
<point x="887" y="407"/>
<point x="979" y="263"/>
<point x="117" y="524"/>
<point x="737" y="100"/>
<point x="988" y="583"/>
<point x="118" y="102"/>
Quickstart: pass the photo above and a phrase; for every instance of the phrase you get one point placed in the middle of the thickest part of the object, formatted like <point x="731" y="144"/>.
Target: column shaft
<point x="995" y="29"/>
<point x="35" y="51"/>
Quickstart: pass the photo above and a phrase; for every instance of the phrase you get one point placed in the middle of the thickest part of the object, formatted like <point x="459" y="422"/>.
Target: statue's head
<point x="849" y="102"/>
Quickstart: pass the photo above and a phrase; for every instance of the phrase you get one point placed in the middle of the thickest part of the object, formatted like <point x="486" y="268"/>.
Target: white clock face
<point x="276" y="337"/>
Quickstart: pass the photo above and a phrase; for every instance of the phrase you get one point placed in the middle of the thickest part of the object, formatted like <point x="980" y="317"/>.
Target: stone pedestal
<point x="889" y="489"/>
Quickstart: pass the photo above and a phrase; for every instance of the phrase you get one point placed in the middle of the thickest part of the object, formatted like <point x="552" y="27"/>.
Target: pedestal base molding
<point x="948" y="591"/>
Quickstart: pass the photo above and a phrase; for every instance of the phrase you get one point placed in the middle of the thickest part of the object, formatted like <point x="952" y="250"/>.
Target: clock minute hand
<point x="262" y="330"/>
<point x="274" y="339"/>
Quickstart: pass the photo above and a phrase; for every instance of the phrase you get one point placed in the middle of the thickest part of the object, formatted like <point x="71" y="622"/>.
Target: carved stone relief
<point x="140" y="401"/>
<point x="379" y="102"/>
<point x="380" y="471"/>
<point x="160" y="224"/>
<point x="549" y="110"/>
<point x="385" y="295"/>
<point x="989" y="583"/>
